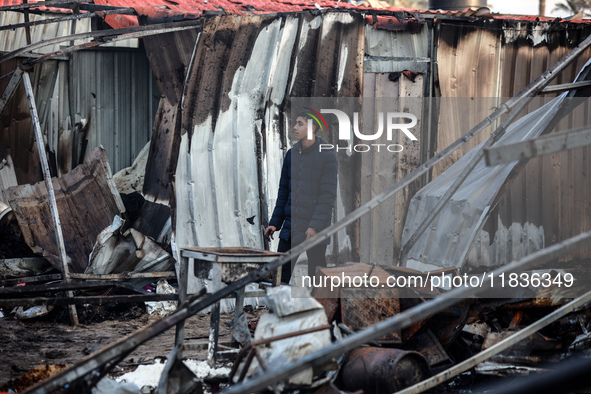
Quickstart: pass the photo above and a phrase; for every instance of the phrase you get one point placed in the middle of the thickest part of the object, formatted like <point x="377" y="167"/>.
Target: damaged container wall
<point x="115" y="90"/>
<point x="381" y="230"/>
<point x="87" y="201"/>
<point x="495" y="59"/>
<point x="112" y="90"/>
<point x="169" y="56"/>
<point x="544" y="204"/>
<point x="395" y="51"/>
<point x="236" y="118"/>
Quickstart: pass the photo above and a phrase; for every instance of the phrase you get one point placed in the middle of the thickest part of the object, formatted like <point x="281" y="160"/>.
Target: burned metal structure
<point x="226" y="73"/>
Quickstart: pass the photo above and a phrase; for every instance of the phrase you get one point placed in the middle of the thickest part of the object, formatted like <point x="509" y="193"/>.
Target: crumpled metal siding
<point x="447" y="240"/>
<point x="450" y="237"/>
<point x="234" y="117"/>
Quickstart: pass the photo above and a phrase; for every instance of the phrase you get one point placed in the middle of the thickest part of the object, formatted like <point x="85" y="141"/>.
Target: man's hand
<point x="269" y="232"/>
<point x="310" y="232"/>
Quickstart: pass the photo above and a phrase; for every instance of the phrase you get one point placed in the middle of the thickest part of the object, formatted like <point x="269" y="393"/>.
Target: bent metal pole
<point x="50" y="193"/>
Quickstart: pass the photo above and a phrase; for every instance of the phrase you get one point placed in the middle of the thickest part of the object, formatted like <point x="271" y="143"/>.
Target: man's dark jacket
<point x="307" y="191"/>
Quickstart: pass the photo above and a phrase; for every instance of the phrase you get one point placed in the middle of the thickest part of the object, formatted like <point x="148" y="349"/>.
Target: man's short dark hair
<point x="306" y="115"/>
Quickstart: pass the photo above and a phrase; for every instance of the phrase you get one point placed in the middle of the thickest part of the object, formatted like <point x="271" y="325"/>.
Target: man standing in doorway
<point x="306" y="197"/>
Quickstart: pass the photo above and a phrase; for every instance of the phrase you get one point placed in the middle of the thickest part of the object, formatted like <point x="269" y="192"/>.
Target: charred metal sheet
<point x="381" y="229"/>
<point x="87" y="200"/>
<point x="393" y="51"/>
<point x="129" y="251"/>
<point x="383" y="371"/>
<point x="169" y="56"/>
<point x="498" y="62"/>
<point x="238" y="89"/>
<point x="534" y="349"/>
<point x="360" y="307"/>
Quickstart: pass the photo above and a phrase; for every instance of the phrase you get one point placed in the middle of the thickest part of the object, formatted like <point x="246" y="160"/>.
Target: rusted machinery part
<point x="383" y="370"/>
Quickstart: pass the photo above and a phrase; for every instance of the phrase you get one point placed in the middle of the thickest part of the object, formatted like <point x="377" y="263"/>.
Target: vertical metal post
<point x="50" y="193"/>
<point x="214" y="324"/>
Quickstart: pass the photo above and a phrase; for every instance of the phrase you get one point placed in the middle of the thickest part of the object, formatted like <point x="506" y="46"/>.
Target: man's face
<point x="301" y="128"/>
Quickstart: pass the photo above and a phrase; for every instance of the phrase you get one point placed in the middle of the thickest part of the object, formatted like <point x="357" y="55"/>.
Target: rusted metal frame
<point x="81" y="300"/>
<point x="544" y="145"/>
<point x="251" y="346"/>
<point x="50" y="193"/>
<point x="498" y="347"/>
<point x="48" y="3"/>
<point x="64" y="287"/>
<point x="122" y="11"/>
<point x="408" y="317"/>
<point x="30" y="279"/>
<point x="565" y="86"/>
<point x="10" y="88"/>
<point x="60" y="4"/>
<point x="129" y="32"/>
<point x="27" y="28"/>
<point x="73" y="275"/>
<point x="126" y="275"/>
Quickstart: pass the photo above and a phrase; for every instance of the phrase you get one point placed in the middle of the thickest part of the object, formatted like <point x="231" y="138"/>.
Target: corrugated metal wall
<point x="235" y="118"/>
<point x="230" y="98"/>
<point x="114" y="88"/>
